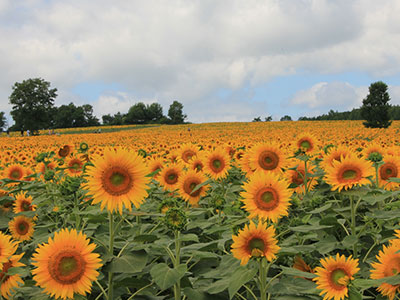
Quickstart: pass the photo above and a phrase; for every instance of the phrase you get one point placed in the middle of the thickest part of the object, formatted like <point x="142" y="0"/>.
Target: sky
<point x="223" y="60"/>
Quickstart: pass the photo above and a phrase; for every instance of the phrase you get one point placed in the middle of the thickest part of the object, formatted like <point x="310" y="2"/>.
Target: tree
<point x="286" y="118"/>
<point x="90" y="119"/>
<point x="3" y="120"/>
<point x="268" y="119"/>
<point x="258" y="119"/>
<point x="375" y="108"/>
<point x="136" y="114"/>
<point x="32" y="102"/>
<point x="154" y="113"/>
<point x="175" y="113"/>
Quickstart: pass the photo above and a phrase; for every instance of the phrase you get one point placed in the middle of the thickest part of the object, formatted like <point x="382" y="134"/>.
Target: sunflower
<point x="155" y="164"/>
<point x="266" y="196"/>
<point x="334" y="276"/>
<point x="187" y="182"/>
<point x="373" y="148"/>
<point x="65" y="150"/>
<point x="306" y="142"/>
<point x="42" y="167"/>
<point x="245" y="164"/>
<point x="350" y="171"/>
<point x="334" y="154"/>
<point x="187" y="152"/>
<point x="7" y="248"/>
<point x="21" y="228"/>
<point x="66" y="264"/>
<point x="197" y="163"/>
<point x="169" y="176"/>
<point x="388" y="265"/>
<point x="255" y="241"/>
<point x="390" y="168"/>
<point x="10" y="282"/>
<point x="23" y="203"/>
<point x="117" y="179"/>
<point x="216" y="164"/>
<point x="296" y="177"/>
<point x="74" y="166"/>
<point x="14" y="172"/>
<point x="267" y="157"/>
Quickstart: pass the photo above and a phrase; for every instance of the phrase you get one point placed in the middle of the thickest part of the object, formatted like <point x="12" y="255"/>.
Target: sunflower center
<point x="16" y="174"/>
<point x="217" y="164"/>
<point x="26" y="206"/>
<point x="267" y="199"/>
<point x="171" y="177"/>
<point x="256" y="247"/>
<point x="187" y="155"/>
<point x="305" y="144"/>
<point x="388" y="170"/>
<point x="75" y="165"/>
<point x="268" y="160"/>
<point x="198" y="167"/>
<point x="67" y="267"/>
<point x="349" y="175"/>
<point x="22" y="228"/>
<point x="338" y="277"/>
<point x="64" y="151"/>
<point x="117" y="181"/>
<point x="189" y="186"/>
<point x="4" y="271"/>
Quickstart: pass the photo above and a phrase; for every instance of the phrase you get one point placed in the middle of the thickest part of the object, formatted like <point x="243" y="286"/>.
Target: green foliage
<point x="257" y="119"/>
<point x="375" y="108"/>
<point x="136" y="114"/>
<point x="175" y="113"/>
<point x="67" y="116"/>
<point x="268" y="119"/>
<point x="3" y="120"/>
<point x="286" y="118"/>
<point x="32" y="103"/>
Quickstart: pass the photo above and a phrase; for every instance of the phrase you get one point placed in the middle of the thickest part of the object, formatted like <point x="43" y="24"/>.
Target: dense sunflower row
<point x="270" y="167"/>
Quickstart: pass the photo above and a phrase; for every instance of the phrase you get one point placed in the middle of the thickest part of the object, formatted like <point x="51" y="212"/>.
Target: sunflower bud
<point x="375" y="157"/>
<point x="175" y="218"/>
<point x="70" y="185"/>
<point x="49" y="175"/>
<point x="166" y="204"/>
<point x="83" y="147"/>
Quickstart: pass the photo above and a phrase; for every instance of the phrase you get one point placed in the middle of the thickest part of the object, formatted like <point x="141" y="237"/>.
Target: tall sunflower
<point x="388" y="265"/>
<point x="267" y="157"/>
<point x="186" y="184"/>
<point x="334" y="154"/>
<point x="255" y="241"/>
<point x="21" y="228"/>
<point x="334" y="276"/>
<point x="187" y="152"/>
<point x="169" y="176"/>
<point x="23" y="203"/>
<point x="306" y="142"/>
<point x="389" y="169"/>
<point x="217" y="163"/>
<point x="350" y="171"/>
<point x="266" y="196"/>
<point x="74" y="166"/>
<point x="297" y="176"/>
<point x="10" y="282"/>
<point x="117" y="179"/>
<point x="66" y="264"/>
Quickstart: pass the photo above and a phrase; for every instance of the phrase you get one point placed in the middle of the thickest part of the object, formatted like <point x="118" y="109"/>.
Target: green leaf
<point x="349" y="241"/>
<point x="240" y="277"/>
<point x="146" y="238"/>
<point x="166" y="277"/>
<point x="199" y="186"/>
<point x="298" y="273"/>
<point x="321" y="209"/>
<point x="218" y="286"/>
<point x="354" y="294"/>
<point x="130" y="263"/>
<point x="308" y="228"/>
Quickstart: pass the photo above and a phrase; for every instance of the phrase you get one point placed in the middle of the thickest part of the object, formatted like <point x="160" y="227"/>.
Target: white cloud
<point x="186" y="50"/>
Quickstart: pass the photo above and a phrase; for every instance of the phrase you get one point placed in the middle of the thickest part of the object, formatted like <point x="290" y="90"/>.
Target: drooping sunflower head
<point x="23" y="202"/>
<point x="266" y="196"/>
<point x="65" y="151"/>
<point x="66" y="264"/>
<point x="21" y="228"/>
<point x="188" y="182"/>
<point x="217" y="164"/>
<point x="117" y="179"/>
<point x="389" y="169"/>
<point x="388" y="265"/>
<point x="350" y="171"/>
<point x="267" y="157"/>
<point x="169" y="176"/>
<point x="10" y="282"/>
<point x="334" y="276"/>
<point x="255" y="241"/>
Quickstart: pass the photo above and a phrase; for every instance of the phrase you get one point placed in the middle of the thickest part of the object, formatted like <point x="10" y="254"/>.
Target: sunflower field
<point x="244" y="211"/>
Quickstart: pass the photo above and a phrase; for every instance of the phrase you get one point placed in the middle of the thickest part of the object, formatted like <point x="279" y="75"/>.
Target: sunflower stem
<point x="111" y="251"/>
<point x="177" y="286"/>
<point x="353" y="209"/>
<point x="76" y="210"/>
<point x="262" y="272"/>
<point x="305" y="178"/>
<point x="376" y="174"/>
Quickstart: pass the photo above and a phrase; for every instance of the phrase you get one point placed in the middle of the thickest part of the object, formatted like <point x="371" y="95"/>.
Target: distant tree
<point x="258" y="119"/>
<point x="375" y="108"/>
<point x="286" y="118"/>
<point x="136" y="114"/>
<point x="32" y="101"/>
<point x="175" y="113"/>
<point x="268" y="119"/>
<point x="154" y="113"/>
<point x="107" y="119"/>
<point x="116" y="119"/>
<point x="90" y="119"/>
<point x="64" y="116"/>
<point x="3" y="120"/>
